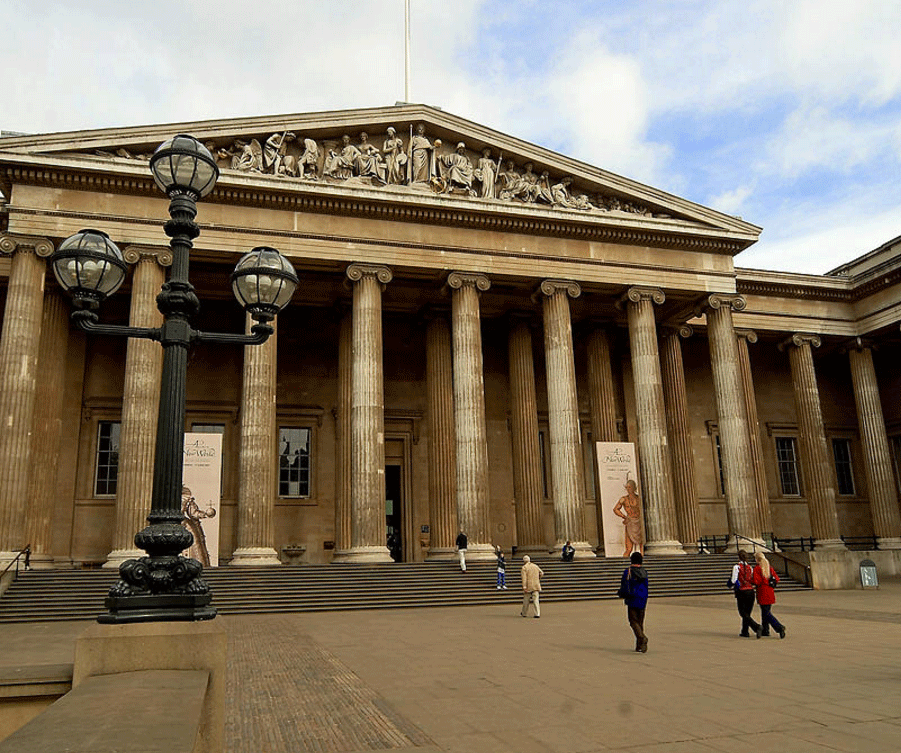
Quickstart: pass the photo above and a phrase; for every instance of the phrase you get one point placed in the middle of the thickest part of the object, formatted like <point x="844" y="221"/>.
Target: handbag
<point x="773" y="581"/>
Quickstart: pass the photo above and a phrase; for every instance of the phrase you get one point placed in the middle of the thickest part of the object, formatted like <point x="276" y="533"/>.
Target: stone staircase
<point x="48" y="595"/>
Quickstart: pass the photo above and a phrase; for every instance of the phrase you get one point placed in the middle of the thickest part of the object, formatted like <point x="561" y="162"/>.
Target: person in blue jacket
<point x="633" y="590"/>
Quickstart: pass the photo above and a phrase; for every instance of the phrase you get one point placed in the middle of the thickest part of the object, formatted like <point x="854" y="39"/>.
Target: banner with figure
<point x="619" y="496"/>
<point x="200" y="494"/>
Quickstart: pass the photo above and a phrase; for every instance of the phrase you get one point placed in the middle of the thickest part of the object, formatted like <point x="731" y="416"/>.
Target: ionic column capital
<point x="748" y="335"/>
<point x="135" y="254"/>
<point x="717" y="301"/>
<point x="638" y="293"/>
<point x="10" y="244"/>
<point x="356" y="272"/>
<point x="684" y="330"/>
<point x="801" y="338"/>
<point x="550" y="287"/>
<point x="457" y="280"/>
<point x="858" y="343"/>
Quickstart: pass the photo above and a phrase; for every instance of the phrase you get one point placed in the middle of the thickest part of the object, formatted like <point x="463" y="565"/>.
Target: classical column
<point x="746" y="336"/>
<point x="140" y="405"/>
<point x="732" y="420"/>
<point x="528" y="488"/>
<point x="258" y="461"/>
<point x="343" y="451"/>
<point x="19" y="347"/>
<point x="602" y="404"/>
<point x="653" y="449"/>
<point x="815" y="453"/>
<point x="367" y="416"/>
<point x="442" y="446"/>
<point x="563" y="417"/>
<point x="877" y="456"/>
<point x="677" y="423"/>
<point x="45" y="441"/>
<point x="469" y="413"/>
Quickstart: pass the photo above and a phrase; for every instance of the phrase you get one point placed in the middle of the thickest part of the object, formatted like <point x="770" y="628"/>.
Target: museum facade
<point x="474" y="313"/>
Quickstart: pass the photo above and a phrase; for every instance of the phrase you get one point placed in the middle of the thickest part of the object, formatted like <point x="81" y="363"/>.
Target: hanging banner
<point x="200" y="495"/>
<point x="621" y="510"/>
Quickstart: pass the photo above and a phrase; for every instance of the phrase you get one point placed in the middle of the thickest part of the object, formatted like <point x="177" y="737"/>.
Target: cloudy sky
<point x="785" y="112"/>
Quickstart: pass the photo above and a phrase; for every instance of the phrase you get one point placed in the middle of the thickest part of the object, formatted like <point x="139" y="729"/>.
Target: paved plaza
<point x="482" y="679"/>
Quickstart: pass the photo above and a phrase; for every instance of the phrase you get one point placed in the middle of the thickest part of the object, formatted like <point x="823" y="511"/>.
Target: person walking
<point x="633" y="589"/>
<point x="501" y="568"/>
<point x="765" y="579"/>
<point x="462" y="543"/>
<point x="742" y="582"/>
<point x="531" y="586"/>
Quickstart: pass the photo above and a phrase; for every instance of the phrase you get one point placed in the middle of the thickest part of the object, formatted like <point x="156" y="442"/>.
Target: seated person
<point x="568" y="552"/>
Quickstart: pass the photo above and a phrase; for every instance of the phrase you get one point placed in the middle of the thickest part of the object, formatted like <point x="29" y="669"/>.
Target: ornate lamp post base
<point x="157" y="608"/>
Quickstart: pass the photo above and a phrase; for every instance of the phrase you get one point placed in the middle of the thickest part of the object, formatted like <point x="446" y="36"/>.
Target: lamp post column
<point x="442" y="446"/>
<point x="140" y="404"/>
<point x="45" y="443"/>
<point x="814" y="449"/>
<point x="653" y="448"/>
<point x="563" y="416"/>
<point x="258" y="457"/>
<point x="19" y="344"/>
<point x="469" y="413"/>
<point x="527" y="476"/>
<point x="878" y="465"/>
<point x="368" y="533"/>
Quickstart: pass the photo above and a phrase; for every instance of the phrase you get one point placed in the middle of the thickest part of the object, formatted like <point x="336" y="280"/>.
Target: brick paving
<point x="483" y="679"/>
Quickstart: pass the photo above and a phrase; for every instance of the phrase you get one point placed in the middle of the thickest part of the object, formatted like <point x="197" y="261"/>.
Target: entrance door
<point x="393" y="508"/>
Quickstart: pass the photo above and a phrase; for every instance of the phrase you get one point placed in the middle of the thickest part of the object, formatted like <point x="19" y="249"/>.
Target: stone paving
<point x="483" y="679"/>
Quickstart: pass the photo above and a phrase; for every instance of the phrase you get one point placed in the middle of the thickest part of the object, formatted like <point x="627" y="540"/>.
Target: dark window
<point x="841" y="451"/>
<point x="787" y="462"/>
<point x="106" y="475"/>
<point x="544" y="464"/>
<point x="719" y="463"/>
<point x="293" y="462"/>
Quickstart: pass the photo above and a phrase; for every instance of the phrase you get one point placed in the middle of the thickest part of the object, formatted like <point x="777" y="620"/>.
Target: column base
<point x="43" y="562"/>
<point x="532" y="550"/>
<point x="747" y="543"/>
<point x="889" y="542"/>
<point x="118" y="556"/>
<point x="664" y="547"/>
<point x="255" y="557"/>
<point x="441" y="554"/>
<point x="481" y="553"/>
<point x="584" y="550"/>
<point x="835" y="545"/>
<point x="370" y="555"/>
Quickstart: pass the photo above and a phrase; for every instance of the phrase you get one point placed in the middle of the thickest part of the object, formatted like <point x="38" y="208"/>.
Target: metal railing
<point x="861" y="543"/>
<point x="712" y="544"/>
<point x="802" y="543"/>
<point x="24" y="556"/>
<point x="798" y="566"/>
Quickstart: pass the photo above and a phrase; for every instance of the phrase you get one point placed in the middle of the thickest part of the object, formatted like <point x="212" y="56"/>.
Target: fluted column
<point x="746" y="336"/>
<point x="563" y="417"/>
<point x="819" y="473"/>
<point x="442" y="445"/>
<point x="676" y="401"/>
<point x="877" y="456"/>
<point x="19" y="347"/>
<point x="367" y="415"/>
<point x="732" y="420"/>
<point x="527" y="477"/>
<point x="602" y="404"/>
<point x="653" y="449"/>
<point x="45" y="441"/>
<point x="343" y="449"/>
<point x="258" y="461"/>
<point x="469" y="413"/>
<point x="140" y="405"/>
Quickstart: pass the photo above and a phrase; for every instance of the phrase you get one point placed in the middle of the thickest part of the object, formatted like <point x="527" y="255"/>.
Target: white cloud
<point x="731" y="201"/>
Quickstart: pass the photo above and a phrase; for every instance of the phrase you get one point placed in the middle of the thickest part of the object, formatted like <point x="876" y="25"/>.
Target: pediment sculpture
<point x="422" y="164"/>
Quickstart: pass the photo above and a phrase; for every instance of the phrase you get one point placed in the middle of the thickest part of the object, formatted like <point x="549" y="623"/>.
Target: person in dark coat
<point x="742" y="582"/>
<point x="763" y="577"/>
<point x="462" y="543"/>
<point x="633" y="590"/>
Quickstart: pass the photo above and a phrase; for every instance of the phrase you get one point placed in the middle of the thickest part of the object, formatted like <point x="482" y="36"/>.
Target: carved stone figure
<point x="486" y="173"/>
<point x="340" y="163"/>
<point x="421" y="167"/>
<point x="560" y="193"/>
<point x="509" y="180"/>
<point x="543" y="193"/>
<point x="275" y="159"/>
<point x="308" y="163"/>
<point x="529" y="187"/>
<point x="456" y="169"/>
<point x="247" y="156"/>
<point x="369" y="162"/>
<point x="395" y="158"/>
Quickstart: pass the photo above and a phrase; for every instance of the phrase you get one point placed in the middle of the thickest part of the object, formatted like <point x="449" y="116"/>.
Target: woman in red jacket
<point x="763" y="576"/>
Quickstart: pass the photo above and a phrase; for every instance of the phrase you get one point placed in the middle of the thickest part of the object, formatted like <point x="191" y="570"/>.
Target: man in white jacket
<point x="531" y="586"/>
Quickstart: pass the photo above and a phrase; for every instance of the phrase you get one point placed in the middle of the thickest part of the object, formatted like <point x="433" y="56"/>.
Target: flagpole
<point x="407" y="51"/>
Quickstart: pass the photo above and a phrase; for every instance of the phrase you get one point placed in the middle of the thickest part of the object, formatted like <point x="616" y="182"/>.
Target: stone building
<point x="473" y="312"/>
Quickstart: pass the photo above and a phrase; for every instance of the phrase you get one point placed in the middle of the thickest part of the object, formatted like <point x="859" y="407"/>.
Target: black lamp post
<point x="165" y="585"/>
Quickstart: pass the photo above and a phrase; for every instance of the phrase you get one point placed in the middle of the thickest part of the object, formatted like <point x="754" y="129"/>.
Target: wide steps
<point x="50" y="595"/>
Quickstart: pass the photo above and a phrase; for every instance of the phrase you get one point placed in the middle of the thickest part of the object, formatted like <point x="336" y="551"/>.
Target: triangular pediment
<point x="406" y="150"/>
